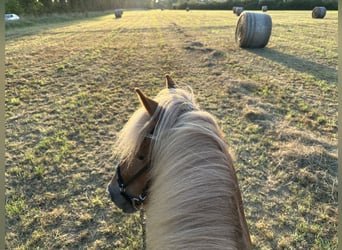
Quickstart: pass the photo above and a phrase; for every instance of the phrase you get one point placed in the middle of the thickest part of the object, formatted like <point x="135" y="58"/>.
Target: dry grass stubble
<point x="69" y="91"/>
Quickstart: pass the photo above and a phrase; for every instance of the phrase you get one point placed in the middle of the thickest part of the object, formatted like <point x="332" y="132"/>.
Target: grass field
<point x="69" y="90"/>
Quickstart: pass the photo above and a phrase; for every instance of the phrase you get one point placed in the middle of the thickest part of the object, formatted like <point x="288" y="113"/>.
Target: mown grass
<point x="39" y="20"/>
<point x="69" y="90"/>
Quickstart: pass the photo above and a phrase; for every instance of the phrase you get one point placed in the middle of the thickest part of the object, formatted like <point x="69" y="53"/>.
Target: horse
<point x="174" y="164"/>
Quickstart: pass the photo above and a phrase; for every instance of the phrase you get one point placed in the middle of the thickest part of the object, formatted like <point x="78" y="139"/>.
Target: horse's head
<point x="129" y="185"/>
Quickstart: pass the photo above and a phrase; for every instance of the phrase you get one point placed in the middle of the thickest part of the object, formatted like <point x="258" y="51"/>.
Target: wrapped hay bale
<point x="319" y="12"/>
<point x="234" y="9"/>
<point x="264" y="8"/>
<point x="118" y="13"/>
<point x="253" y="30"/>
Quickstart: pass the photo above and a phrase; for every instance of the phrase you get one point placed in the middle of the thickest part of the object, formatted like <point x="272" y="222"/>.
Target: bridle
<point x="136" y="201"/>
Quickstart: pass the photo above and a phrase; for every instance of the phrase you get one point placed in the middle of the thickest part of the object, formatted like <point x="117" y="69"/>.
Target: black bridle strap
<point x="136" y="201"/>
<point x="120" y="180"/>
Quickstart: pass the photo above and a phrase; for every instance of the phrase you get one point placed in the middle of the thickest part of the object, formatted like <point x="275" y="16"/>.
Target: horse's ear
<point x="170" y="84"/>
<point x="149" y="104"/>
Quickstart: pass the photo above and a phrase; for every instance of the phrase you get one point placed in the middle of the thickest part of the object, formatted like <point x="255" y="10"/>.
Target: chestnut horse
<point x="175" y="163"/>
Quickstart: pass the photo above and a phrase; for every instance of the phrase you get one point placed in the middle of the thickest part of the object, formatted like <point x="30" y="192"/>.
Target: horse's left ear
<point x="149" y="104"/>
<point x="170" y="84"/>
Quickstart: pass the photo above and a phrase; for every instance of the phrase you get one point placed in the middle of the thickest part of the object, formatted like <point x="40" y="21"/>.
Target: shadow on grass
<point x="319" y="71"/>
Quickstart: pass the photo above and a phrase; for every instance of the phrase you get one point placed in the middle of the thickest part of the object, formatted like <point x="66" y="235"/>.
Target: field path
<point x="69" y="90"/>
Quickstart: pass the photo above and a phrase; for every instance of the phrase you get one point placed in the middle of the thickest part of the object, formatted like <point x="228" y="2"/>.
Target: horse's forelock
<point x="131" y="136"/>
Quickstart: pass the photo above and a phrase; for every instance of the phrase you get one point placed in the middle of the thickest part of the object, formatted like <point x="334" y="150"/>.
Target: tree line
<point x="257" y="4"/>
<point x="38" y="7"/>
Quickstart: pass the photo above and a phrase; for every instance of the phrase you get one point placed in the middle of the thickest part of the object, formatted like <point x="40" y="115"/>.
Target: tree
<point x="13" y="6"/>
<point x="47" y="6"/>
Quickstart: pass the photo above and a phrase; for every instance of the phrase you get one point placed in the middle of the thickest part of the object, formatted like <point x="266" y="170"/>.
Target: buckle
<point x="137" y="202"/>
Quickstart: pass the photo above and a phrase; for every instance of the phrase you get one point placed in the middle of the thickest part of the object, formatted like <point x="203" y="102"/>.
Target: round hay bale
<point x="264" y="8"/>
<point x="238" y="11"/>
<point x="319" y="12"/>
<point x="253" y="30"/>
<point x="118" y="13"/>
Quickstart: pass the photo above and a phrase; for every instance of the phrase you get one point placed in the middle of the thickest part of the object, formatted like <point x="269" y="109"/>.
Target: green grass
<point x="29" y="21"/>
<point x="69" y="90"/>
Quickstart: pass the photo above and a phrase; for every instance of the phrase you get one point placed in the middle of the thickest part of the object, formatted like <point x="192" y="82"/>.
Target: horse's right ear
<point x="170" y="84"/>
<point x="149" y="104"/>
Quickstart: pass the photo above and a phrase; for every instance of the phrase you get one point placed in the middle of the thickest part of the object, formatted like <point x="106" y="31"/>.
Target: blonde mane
<point x="194" y="200"/>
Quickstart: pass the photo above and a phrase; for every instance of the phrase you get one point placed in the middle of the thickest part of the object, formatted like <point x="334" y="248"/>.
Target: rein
<point x="143" y="227"/>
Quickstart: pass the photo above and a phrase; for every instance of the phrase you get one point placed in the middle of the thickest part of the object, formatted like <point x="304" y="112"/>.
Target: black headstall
<point x="136" y="201"/>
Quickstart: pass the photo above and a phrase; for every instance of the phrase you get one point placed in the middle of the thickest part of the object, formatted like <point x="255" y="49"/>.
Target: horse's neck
<point x="195" y="202"/>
